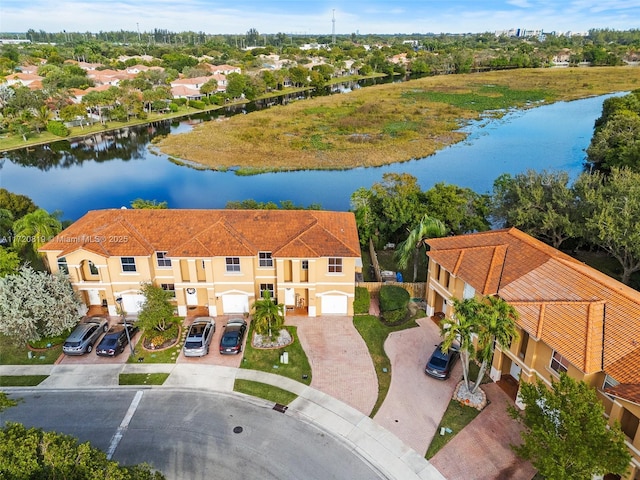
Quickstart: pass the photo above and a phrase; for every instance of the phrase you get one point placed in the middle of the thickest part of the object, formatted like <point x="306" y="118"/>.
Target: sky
<point x="314" y="17"/>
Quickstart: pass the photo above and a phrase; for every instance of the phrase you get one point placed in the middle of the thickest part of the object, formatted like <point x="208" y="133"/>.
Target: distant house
<point x="572" y="318"/>
<point x="30" y="80"/>
<point x="220" y="261"/>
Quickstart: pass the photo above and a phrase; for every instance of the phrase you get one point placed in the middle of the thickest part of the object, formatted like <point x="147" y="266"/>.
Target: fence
<point x="416" y="290"/>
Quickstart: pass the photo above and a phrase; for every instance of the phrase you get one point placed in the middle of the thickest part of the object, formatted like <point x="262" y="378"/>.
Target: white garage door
<point x="235" y="303"/>
<point x="334" y="305"/>
<point x="132" y="303"/>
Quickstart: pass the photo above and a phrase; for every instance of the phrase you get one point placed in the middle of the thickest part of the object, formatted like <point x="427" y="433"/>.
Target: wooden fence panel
<point x="416" y="290"/>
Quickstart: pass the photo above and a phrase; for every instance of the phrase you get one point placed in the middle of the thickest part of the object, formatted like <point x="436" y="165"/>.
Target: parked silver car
<point x="84" y="336"/>
<point x="199" y="337"/>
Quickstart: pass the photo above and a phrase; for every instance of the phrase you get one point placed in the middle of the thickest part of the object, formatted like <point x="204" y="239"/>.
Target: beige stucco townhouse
<point x="572" y="318"/>
<point x="219" y="261"/>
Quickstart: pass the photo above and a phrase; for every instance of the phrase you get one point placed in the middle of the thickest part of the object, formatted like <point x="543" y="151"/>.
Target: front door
<point x="192" y="296"/>
<point x="94" y="296"/>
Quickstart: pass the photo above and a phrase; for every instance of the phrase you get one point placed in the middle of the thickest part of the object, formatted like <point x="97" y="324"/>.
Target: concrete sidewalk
<point x="394" y="459"/>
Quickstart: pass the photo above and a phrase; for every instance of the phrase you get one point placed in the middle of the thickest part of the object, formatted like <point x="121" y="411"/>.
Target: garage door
<point x="132" y="303"/>
<point x="235" y="303"/>
<point x="334" y="305"/>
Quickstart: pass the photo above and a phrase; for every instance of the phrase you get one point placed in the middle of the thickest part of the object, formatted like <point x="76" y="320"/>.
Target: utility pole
<point x="333" y="27"/>
<point x="138" y="26"/>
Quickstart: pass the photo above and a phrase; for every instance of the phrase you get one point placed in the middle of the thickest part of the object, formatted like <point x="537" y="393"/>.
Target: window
<point x="305" y="264"/>
<point x="265" y="259"/>
<point x="169" y="287"/>
<point x="468" y="292"/>
<point x="128" y="264"/>
<point x="559" y="364"/>
<point x="233" y="264"/>
<point x="524" y="342"/>
<point x="267" y="287"/>
<point x="163" y="261"/>
<point x="92" y="268"/>
<point x="335" y="265"/>
<point x="62" y="265"/>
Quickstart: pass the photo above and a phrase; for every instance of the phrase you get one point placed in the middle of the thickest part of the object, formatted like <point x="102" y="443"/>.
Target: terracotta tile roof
<point x="588" y="317"/>
<point x="207" y="233"/>
<point x="630" y="392"/>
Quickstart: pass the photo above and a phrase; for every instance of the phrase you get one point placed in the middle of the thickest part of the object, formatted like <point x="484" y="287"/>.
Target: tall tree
<point x="458" y="329"/>
<point x="412" y="246"/>
<point x="268" y="316"/>
<point x="27" y="300"/>
<point x="566" y="434"/>
<point x="140" y="204"/>
<point x="497" y="326"/>
<point x="157" y="311"/>
<point x="610" y="206"/>
<point x="35" y="229"/>
<point x="461" y="209"/>
<point x="540" y="203"/>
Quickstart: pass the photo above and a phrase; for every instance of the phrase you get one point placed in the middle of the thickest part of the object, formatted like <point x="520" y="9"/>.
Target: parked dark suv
<point x="115" y="340"/>
<point x="84" y="336"/>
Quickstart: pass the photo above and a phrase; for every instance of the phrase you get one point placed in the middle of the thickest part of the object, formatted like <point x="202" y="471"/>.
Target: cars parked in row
<point x="84" y="336"/>
<point x="441" y="363"/>
<point x="199" y="337"/>
<point x="231" y="340"/>
<point x="116" y="340"/>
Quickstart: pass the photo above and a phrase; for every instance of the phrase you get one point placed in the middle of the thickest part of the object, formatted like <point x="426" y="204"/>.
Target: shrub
<point x="393" y="297"/>
<point x="395" y="317"/>
<point x="199" y="104"/>
<point x="362" y="301"/>
<point x="173" y="106"/>
<point x="180" y="101"/>
<point x="57" y="128"/>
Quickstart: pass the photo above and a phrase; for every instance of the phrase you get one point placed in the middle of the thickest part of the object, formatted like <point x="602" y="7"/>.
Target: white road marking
<point x="124" y="424"/>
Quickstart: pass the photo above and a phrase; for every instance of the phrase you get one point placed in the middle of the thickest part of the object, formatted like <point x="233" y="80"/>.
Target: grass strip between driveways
<point x="374" y="333"/>
<point x="142" y="378"/>
<point x="262" y="390"/>
<point x="21" y="380"/>
<point x="13" y="354"/>
<point x="455" y="418"/>
<point x="268" y="359"/>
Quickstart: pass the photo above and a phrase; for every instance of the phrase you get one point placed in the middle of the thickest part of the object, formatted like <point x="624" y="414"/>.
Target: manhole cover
<point x="237" y="430"/>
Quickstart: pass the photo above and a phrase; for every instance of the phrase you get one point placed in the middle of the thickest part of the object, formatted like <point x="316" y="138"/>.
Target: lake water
<point x="75" y="178"/>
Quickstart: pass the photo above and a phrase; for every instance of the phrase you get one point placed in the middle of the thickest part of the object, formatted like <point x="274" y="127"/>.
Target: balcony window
<point x="265" y="259"/>
<point x="128" y="264"/>
<point x="335" y="265"/>
<point x="233" y="264"/>
<point x="92" y="268"/>
<point x="62" y="265"/>
<point x="169" y="287"/>
<point x="559" y="364"/>
<point x="267" y="287"/>
<point x="162" y="259"/>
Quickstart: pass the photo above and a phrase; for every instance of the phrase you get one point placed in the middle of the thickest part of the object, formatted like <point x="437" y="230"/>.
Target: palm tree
<point x="428" y="227"/>
<point x="458" y="329"/>
<point x="35" y="229"/>
<point x="497" y="325"/>
<point x="267" y="314"/>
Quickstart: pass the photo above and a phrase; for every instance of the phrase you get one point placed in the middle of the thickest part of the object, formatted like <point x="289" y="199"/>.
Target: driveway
<point x="482" y="449"/>
<point x="415" y="403"/>
<point x="340" y="362"/>
<point x="214" y="357"/>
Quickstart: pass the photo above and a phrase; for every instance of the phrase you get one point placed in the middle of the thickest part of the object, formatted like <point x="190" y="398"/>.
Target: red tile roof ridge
<point x="497" y="259"/>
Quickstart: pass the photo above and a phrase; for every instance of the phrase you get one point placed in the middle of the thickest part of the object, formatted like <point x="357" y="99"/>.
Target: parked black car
<point x="231" y="340"/>
<point x="115" y="340"/>
<point x="441" y="363"/>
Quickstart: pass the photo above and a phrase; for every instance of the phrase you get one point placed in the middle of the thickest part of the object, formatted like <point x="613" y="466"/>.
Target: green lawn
<point x="142" y="378"/>
<point x="268" y="360"/>
<point x="21" y="380"/>
<point x="374" y="333"/>
<point x="13" y="354"/>
<point x="168" y="355"/>
<point x="455" y="418"/>
<point x="262" y="390"/>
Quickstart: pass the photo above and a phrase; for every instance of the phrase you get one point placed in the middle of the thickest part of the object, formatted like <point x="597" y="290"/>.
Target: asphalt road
<point x="192" y="435"/>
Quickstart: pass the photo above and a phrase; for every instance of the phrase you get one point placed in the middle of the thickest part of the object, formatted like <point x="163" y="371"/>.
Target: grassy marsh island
<point x="382" y="124"/>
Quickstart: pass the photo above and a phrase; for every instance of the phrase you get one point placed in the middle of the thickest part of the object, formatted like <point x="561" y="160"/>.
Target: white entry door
<point x="192" y="296"/>
<point x="289" y="296"/>
<point x="94" y="296"/>
<point x="515" y="370"/>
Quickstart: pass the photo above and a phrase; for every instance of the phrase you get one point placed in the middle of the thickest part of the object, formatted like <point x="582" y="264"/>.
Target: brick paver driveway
<point x="340" y="362"/>
<point x="415" y="403"/>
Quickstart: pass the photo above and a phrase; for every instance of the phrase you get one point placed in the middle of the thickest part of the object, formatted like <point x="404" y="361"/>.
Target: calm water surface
<point x="112" y="174"/>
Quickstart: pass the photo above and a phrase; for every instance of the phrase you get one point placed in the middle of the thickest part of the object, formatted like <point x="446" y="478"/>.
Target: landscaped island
<point x="382" y="124"/>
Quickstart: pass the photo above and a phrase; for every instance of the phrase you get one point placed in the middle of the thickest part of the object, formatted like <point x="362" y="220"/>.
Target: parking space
<point x="213" y="357"/>
<point x="416" y="402"/>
